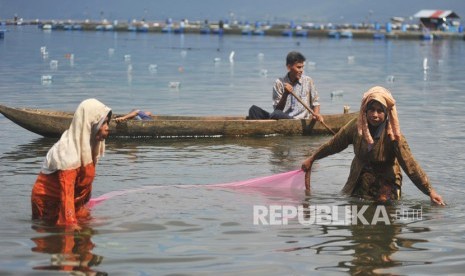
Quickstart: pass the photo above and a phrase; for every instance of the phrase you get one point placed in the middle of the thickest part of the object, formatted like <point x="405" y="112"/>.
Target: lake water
<point x="169" y="229"/>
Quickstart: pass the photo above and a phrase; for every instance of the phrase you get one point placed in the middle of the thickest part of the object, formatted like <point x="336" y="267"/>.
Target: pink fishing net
<point x="286" y="184"/>
<point x="97" y="200"/>
<point x="292" y="180"/>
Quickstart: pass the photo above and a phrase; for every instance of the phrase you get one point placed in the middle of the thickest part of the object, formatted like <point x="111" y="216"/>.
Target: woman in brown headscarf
<point x="380" y="152"/>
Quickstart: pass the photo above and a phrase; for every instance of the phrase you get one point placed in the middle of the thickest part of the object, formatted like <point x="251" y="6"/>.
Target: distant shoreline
<point x="341" y="32"/>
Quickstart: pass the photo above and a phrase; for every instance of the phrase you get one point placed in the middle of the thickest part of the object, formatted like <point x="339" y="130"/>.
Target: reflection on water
<point x="368" y="249"/>
<point x="37" y="147"/>
<point x="69" y="251"/>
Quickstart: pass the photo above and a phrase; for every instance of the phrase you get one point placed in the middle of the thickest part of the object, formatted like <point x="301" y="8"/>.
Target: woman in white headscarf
<point x="64" y="184"/>
<point x="380" y="152"/>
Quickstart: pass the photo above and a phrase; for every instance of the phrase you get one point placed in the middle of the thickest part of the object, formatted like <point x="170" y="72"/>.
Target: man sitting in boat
<point x="286" y="89"/>
<point x="135" y="114"/>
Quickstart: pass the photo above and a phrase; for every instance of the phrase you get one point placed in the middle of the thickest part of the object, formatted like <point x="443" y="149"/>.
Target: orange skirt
<point x="60" y="197"/>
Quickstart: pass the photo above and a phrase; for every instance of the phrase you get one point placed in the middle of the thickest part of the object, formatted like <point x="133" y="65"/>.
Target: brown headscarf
<point x="384" y="97"/>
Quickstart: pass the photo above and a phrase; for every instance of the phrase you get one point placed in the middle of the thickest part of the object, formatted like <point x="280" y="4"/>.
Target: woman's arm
<point x="67" y="214"/>
<point x="338" y="143"/>
<point x="414" y="171"/>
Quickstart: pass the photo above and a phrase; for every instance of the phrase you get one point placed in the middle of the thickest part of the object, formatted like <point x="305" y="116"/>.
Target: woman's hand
<point x="307" y="164"/>
<point x="436" y="198"/>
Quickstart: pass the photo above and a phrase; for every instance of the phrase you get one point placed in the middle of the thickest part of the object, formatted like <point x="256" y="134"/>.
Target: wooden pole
<point x="308" y="173"/>
<point x="311" y="111"/>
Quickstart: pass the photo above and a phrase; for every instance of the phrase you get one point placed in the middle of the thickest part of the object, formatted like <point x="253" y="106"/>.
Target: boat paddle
<point x="311" y="111"/>
<point x="308" y="173"/>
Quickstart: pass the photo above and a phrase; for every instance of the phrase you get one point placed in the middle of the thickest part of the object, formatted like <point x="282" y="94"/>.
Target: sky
<point x="323" y="11"/>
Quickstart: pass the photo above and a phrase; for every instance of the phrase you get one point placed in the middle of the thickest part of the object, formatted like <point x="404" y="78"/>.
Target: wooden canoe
<point x="49" y="123"/>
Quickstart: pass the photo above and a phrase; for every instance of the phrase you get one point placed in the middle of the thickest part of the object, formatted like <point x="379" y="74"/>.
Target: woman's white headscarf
<point x="74" y="149"/>
<point x="384" y="97"/>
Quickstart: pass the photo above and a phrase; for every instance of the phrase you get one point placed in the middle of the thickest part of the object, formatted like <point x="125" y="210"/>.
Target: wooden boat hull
<point x="50" y="123"/>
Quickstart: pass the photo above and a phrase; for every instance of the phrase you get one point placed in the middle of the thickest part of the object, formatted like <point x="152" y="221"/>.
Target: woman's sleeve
<point x="411" y="167"/>
<point x="340" y="141"/>
<point x="67" y="213"/>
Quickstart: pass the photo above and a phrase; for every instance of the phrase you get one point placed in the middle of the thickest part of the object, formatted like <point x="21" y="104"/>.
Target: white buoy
<point x="425" y="64"/>
<point x="390" y="79"/>
<point x="43" y="49"/>
<point x="174" y="84"/>
<point x="350" y="59"/>
<point x="183" y="53"/>
<point x="46" y="79"/>
<point x="231" y="57"/>
<point x="217" y="59"/>
<point x="311" y="64"/>
<point x="261" y="56"/>
<point x="71" y="60"/>
<point x="337" y="93"/>
<point x="153" y="68"/>
<point x="54" y="64"/>
<point x="127" y="58"/>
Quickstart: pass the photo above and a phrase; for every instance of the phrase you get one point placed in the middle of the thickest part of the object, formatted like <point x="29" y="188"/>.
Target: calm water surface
<point x="167" y="229"/>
